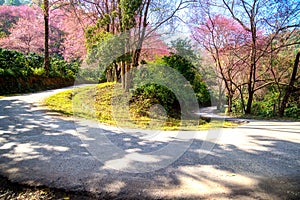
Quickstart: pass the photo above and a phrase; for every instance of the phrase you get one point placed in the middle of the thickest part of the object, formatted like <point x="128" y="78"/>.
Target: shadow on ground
<point x="40" y="149"/>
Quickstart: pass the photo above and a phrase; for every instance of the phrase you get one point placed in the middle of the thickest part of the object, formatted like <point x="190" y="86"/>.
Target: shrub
<point x="186" y="68"/>
<point x="292" y="111"/>
<point x="93" y="75"/>
<point x="25" y="73"/>
<point x="149" y="94"/>
<point x="38" y="71"/>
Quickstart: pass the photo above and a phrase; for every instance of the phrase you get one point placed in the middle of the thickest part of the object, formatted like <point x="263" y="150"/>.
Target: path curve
<point x="258" y="160"/>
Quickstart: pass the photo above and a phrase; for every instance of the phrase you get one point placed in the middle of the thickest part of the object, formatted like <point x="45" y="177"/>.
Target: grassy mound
<point x="95" y="102"/>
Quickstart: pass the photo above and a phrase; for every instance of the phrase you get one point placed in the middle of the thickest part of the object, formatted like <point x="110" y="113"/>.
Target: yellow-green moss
<point x="94" y="102"/>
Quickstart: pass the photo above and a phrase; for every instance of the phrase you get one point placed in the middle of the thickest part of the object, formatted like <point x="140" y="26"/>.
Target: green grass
<point x="95" y="102"/>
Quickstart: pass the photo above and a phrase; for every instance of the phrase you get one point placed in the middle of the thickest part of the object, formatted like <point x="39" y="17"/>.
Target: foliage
<point x="267" y="107"/>
<point x="22" y="29"/>
<point x="183" y="47"/>
<point x="25" y="37"/>
<point x="148" y="95"/>
<point x="245" y="46"/>
<point x="135" y="20"/>
<point x="17" y="64"/>
<point x="129" y="9"/>
<point x="25" y="73"/>
<point x="151" y="94"/>
<point x="90" y="74"/>
<point x="187" y="69"/>
<point x="103" y="47"/>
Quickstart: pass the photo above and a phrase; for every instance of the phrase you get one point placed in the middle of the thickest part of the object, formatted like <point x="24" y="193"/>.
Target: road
<point x="258" y="160"/>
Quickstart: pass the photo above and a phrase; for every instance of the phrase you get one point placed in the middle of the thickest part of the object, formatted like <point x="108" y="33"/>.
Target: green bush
<point x="292" y="111"/>
<point x="186" y="68"/>
<point x="17" y="64"/>
<point x="93" y="75"/>
<point x="39" y="71"/>
<point x="149" y="94"/>
<point x="14" y="63"/>
<point x="267" y="106"/>
<point x="62" y="68"/>
<point x="25" y="73"/>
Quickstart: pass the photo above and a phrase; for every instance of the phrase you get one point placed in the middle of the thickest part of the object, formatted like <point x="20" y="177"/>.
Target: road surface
<point x="258" y="160"/>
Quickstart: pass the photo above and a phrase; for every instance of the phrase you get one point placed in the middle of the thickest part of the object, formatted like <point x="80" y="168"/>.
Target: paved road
<point x="212" y="112"/>
<point x="258" y="160"/>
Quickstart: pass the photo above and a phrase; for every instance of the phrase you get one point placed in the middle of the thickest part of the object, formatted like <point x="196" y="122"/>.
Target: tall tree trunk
<point x="109" y="74"/>
<point x="123" y="74"/>
<point x="290" y="87"/>
<point x="219" y="101"/>
<point x="242" y="99"/>
<point x="115" y="66"/>
<point x="249" y="102"/>
<point x="46" y="21"/>
<point x="128" y="77"/>
<point x="137" y="52"/>
<point x="230" y="96"/>
<point x="253" y="65"/>
<point x="252" y="73"/>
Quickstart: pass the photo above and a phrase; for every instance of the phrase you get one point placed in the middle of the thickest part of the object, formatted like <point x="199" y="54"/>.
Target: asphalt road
<point x="258" y="160"/>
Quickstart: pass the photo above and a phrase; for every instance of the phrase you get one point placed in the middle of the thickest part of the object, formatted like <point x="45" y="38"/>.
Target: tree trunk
<point x="109" y="74"/>
<point x="127" y="77"/>
<point x="123" y="74"/>
<point x="115" y="72"/>
<point x="249" y="102"/>
<point x="219" y="101"/>
<point x="229" y="110"/>
<point x="290" y="87"/>
<point x="242" y="100"/>
<point x="252" y="73"/>
<point x="46" y="52"/>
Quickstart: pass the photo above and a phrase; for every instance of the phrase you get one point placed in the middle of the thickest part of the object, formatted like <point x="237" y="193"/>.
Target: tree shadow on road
<point x="40" y="149"/>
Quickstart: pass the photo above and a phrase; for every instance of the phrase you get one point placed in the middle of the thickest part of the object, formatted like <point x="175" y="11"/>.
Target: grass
<point x="95" y="102"/>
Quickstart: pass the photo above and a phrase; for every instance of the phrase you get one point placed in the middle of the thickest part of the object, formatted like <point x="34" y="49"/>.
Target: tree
<point x="223" y="38"/>
<point x="154" y="48"/>
<point x="255" y="16"/>
<point x="23" y="30"/>
<point x="290" y="87"/>
<point x="72" y="33"/>
<point x="27" y="34"/>
<point x="132" y="18"/>
<point x="9" y="16"/>
<point x="265" y="23"/>
<point x="183" y="47"/>
<point x="46" y="38"/>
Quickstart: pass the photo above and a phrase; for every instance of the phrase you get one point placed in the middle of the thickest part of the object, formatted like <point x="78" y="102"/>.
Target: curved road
<point x="258" y="160"/>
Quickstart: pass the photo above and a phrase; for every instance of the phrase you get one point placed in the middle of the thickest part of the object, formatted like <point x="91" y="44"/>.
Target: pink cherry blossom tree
<point x="23" y="30"/>
<point x="26" y="35"/>
<point x="224" y="39"/>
